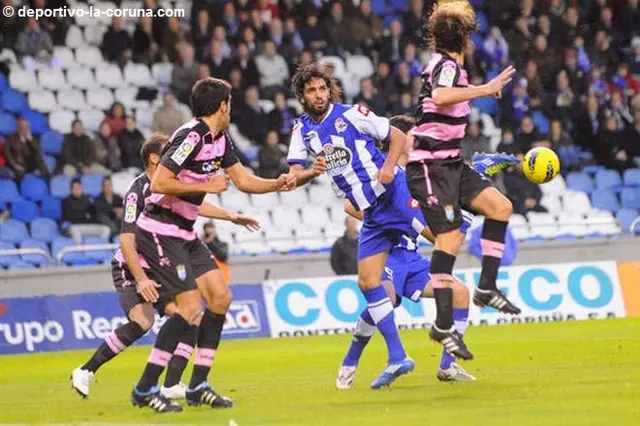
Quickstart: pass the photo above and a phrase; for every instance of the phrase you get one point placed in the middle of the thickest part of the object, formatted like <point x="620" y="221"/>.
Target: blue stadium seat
<point x="13" y="231"/>
<point x="102" y="256"/>
<point x="92" y="184"/>
<point x="3" y="82"/>
<point x="579" y="182"/>
<point x="13" y="101"/>
<point x="478" y="41"/>
<point x="6" y="173"/>
<point x="51" y="142"/>
<point x="5" y="260"/>
<point x="630" y="197"/>
<point x="52" y="208"/>
<point x="592" y="170"/>
<point x="3" y="206"/>
<point x="60" y="186"/>
<point x="626" y="217"/>
<point x="21" y="264"/>
<point x="74" y="258"/>
<point x="605" y="199"/>
<point x="34" y="188"/>
<point x="8" y="124"/>
<point x="379" y="7"/>
<point x="608" y="179"/>
<point x="483" y="22"/>
<point x="44" y="229"/>
<point x="25" y="210"/>
<point x="51" y="162"/>
<point x="632" y="177"/>
<point x="569" y="156"/>
<point x="38" y="121"/>
<point x="9" y="191"/>
<point x="34" y="259"/>
<point x="487" y="105"/>
<point x="541" y="122"/>
<point x="400" y="5"/>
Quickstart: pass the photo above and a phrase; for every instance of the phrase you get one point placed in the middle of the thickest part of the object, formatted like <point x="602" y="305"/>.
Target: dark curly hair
<point x="305" y="73"/>
<point x="449" y="26"/>
<point x="207" y="95"/>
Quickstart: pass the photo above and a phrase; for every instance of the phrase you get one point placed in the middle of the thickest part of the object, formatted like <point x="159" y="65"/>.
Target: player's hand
<point x="385" y="175"/>
<point x="248" y="222"/>
<point x="148" y="289"/>
<point x="286" y="182"/>
<point x="319" y="165"/>
<point x="218" y="183"/>
<point x="495" y="86"/>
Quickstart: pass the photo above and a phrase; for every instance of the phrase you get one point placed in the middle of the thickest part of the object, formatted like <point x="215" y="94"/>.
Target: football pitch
<point x="579" y="373"/>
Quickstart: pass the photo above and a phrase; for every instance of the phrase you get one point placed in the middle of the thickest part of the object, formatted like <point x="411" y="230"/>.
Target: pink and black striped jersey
<point x="193" y="154"/>
<point x="440" y="129"/>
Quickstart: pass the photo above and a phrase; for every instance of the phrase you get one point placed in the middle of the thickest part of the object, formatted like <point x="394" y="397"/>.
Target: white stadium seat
<point x="360" y="66"/>
<point x="544" y="231"/>
<point x="93" y="34"/>
<point x="242" y="235"/>
<point x="144" y="117"/>
<point x="100" y="98"/>
<point x="520" y="232"/>
<point x="60" y="120"/>
<point x="91" y="119"/>
<point x="322" y="195"/>
<point x="89" y="56"/>
<point x="110" y="76"/>
<point x="52" y="79"/>
<point x="262" y="215"/>
<point x="576" y="202"/>
<point x="138" y="75"/>
<point x="162" y="72"/>
<point x="74" y="38"/>
<point x="536" y="219"/>
<point x="551" y="203"/>
<point x="65" y="55"/>
<point x="293" y="103"/>
<point x="265" y="201"/>
<point x="294" y="198"/>
<point x="557" y="187"/>
<point x="105" y="5"/>
<point x="518" y="220"/>
<point x="127" y="95"/>
<point x="121" y="182"/>
<point x="338" y="65"/>
<point x="279" y="239"/>
<point x="333" y="232"/>
<point x="84" y="19"/>
<point x="314" y="214"/>
<point x="309" y="232"/>
<point x="267" y="105"/>
<point x="236" y="201"/>
<point x="285" y="217"/>
<point x="23" y="80"/>
<point x="252" y="247"/>
<point x="72" y="100"/>
<point x="573" y="230"/>
<point x="8" y="55"/>
<point x="42" y="101"/>
<point x="82" y="78"/>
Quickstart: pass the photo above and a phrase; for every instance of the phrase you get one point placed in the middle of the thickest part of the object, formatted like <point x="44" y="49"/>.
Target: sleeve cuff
<point x="298" y="162"/>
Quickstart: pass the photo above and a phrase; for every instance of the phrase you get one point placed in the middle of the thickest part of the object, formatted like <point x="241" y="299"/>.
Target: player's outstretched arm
<point x="256" y="185"/>
<point x="442" y="96"/>
<point x="212" y="211"/>
<point x="146" y="287"/>
<point x="166" y="182"/>
<point x="304" y="176"/>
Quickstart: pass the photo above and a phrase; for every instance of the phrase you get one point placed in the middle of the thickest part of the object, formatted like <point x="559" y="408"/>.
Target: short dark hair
<point x="306" y="73"/>
<point x="153" y="145"/>
<point x="403" y="122"/>
<point x="207" y="95"/>
<point x="74" y="181"/>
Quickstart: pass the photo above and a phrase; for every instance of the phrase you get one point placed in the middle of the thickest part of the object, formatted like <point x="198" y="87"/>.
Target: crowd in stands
<point x="576" y="91"/>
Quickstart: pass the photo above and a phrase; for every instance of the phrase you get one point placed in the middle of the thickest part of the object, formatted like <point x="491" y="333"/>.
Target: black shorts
<point x="174" y="263"/>
<point x="127" y="291"/>
<point x="443" y="188"/>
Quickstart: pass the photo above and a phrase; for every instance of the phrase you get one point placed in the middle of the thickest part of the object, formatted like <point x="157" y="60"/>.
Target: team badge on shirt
<point x="131" y="208"/>
<point x="414" y="204"/>
<point x="337" y="157"/>
<point x="449" y="213"/>
<point x="341" y="126"/>
<point x="447" y="75"/>
<point x="182" y="272"/>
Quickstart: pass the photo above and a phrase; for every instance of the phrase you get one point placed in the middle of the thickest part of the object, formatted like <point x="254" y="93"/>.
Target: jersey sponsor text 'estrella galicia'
<point x="347" y="138"/>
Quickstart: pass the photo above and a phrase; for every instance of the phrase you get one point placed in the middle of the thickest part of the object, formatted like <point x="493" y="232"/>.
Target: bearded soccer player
<point x="177" y="260"/>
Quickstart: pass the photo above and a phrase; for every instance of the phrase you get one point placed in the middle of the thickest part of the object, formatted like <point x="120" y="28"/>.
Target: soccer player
<point x="137" y="293"/>
<point x="439" y="179"/>
<point x="177" y="260"/>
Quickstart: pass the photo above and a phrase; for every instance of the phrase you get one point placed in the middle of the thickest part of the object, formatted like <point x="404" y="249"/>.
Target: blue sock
<point x="461" y="320"/>
<point x="364" y="330"/>
<point x="381" y="311"/>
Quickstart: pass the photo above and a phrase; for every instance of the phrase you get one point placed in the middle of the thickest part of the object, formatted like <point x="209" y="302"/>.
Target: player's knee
<point x="391" y="291"/>
<point x="190" y="307"/>
<point x="144" y="320"/>
<point x="171" y="309"/>
<point x="367" y="282"/>
<point x="449" y="242"/>
<point x="461" y="295"/>
<point x="220" y="300"/>
<point x="504" y="209"/>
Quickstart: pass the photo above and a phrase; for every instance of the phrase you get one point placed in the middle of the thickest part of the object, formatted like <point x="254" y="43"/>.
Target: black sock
<point x="167" y="341"/>
<point x="492" y="241"/>
<point x="209" y="334"/>
<point x="181" y="356"/>
<point x="441" y="270"/>
<point x="115" y="342"/>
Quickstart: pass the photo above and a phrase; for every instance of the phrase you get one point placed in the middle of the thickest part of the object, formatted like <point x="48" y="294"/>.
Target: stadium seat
<point x="62" y="242"/>
<point x="13" y="101"/>
<point x="632" y="177"/>
<point x="65" y="55"/>
<point x="34" y="259"/>
<point x="42" y="101"/>
<point x="625" y="218"/>
<point x="144" y="117"/>
<point x="121" y="182"/>
<point x="52" y="79"/>
<point x="52" y="208"/>
<point x="322" y="194"/>
<point x="573" y="231"/>
<point x="138" y="75"/>
<point x="3" y="83"/>
<point x="400" y="5"/>
<point x="518" y="220"/>
<point x="51" y="162"/>
<point x="81" y="78"/>
<point x="37" y="121"/>
<point x="608" y="179"/>
<point x="541" y="122"/>
<point x="92" y="184"/>
<point x="51" y="142"/>
<point x="360" y="66"/>
<point x="161" y="72"/>
<point x="9" y="191"/>
<point x="110" y="76"/>
<point x="315" y="214"/>
<point x="486" y="105"/>
<point x="251" y="248"/>
<point x="74" y="38"/>
<point x="605" y="199"/>
<point x="100" y="98"/>
<point x="34" y="188"/>
<point x="7" y="261"/>
<point x="13" y="231"/>
<point x="482" y="23"/>
<point x="126" y="94"/>
<point x="310" y="237"/>
<point x="23" y="80"/>
<point x="267" y="105"/>
<point x="237" y="201"/>
<point x="294" y="198"/>
<point x="551" y="203"/>
<point x="91" y="119"/>
<point x="25" y="210"/>
<point x="102" y="256"/>
<point x="593" y="169"/>
<point x="89" y="56"/>
<point x="93" y="34"/>
<point x="60" y="186"/>
<point x="8" y="124"/>
<point x="576" y="202"/>
<point x="379" y="7"/>
<point x="279" y="239"/>
<point x="535" y="219"/>
<point x="630" y="197"/>
<point x="73" y="100"/>
<point x="340" y="70"/>
<point x="285" y="217"/>
<point x="21" y="264"/>
<point x="265" y="201"/>
<point x="60" y="121"/>
<point x="580" y="182"/>
<point x="44" y="229"/>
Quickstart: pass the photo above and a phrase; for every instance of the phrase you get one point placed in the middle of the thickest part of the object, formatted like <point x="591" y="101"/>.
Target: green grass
<point x="581" y="373"/>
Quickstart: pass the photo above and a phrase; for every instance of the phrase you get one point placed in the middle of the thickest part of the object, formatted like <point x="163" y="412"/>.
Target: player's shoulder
<point x="193" y="131"/>
<point x="137" y="184"/>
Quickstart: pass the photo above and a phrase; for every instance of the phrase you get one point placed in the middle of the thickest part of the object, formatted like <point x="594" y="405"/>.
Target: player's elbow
<point x="437" y="99"/>
<point x="158" y="185"/>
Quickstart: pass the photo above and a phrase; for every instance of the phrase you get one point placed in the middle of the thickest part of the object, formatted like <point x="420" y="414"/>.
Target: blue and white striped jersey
<point x="346" y="137"/>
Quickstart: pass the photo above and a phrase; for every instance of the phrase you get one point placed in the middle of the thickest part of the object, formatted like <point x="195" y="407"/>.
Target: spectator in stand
<point x="620" y="110"/>
<point x="520" y="39"/>
<point x="172" y="41"/>
<point x="230" y="19"/>
<point x="282" y="118"/>
<point x="313" y="35"/>
<point x="520" y="104"/>
<point x="629" y="19"/>
<point x="273" y="162"/>
<point x="565" y="98"/>
<point x="403" y="79"/>
<point x="497" y="49"/>
<point x="557" y="136"/>
<point x="145" y="49"/>
<point x="366" y="27"/>
<point x="404" y="105"/>
<point x="116" y="43"/>
<point x="268" y="10"/>
<point x="635" y="57"/>
<point x="384" y="82"/>
<point x="527" y="135"/>
<point x="411" y="59"/>
<point x="203" y="71"/>
<point x="201" y="34"/>
<point x="344" y="253"/>
<point x="107" y="150"/>
<point x="130" y="142"/>
<point x="57" y="27"/>
<point x="250" y="40"/>
<point x="108" y="207"/>
<point x="116" y="118"/>
<point x="168" y="117"/>
<point x="392" y="46"/>
<point x="338" y="27"/>
<point x="544" y="28"/>
<point x="474" y="61"/>
<point x="584" y="63"/>
<point x="632" y="134"/>
<point x="218" y="248"/>
<point x="577" y="77"/>
<point x="370" y="97"/>
<point x="603" y="55"/>
<point x="508" y="144"/>
<point x="185" y="74"/>
<point x="545" y="59"/>
<point x="534" y="83"/>
<point x="244" y="62"/>
<point x="414" y="21"/>
<point x="237" y="88"/>
<point x="474" y="141"/>
<point x="79" y="213"/>
<point x="524" y="194"/>
<point x="587" y="124"/>
<point x="219" y="66"/>
<point x="79" y="153"/>
<point x="598" y="87"/>
<point x="293" y="37"/>
<point x="613" y="150"/>
<point x="159" y="21"/>
<point x="273" y="69"/>
<point x="624" y="81"/>
<point x="35" y="45"/>
<point x="220" y="34"/>
<point x="11" y="26"/>
<point x="22" y="152"/>
<point x="250" y="117"/>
